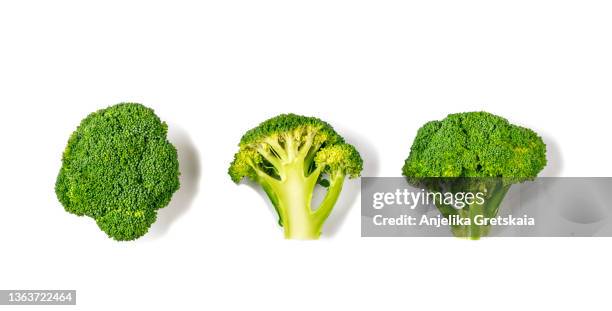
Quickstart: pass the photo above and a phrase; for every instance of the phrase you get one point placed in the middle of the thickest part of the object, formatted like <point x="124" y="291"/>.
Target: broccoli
<point x="288" y="155"/>
<point x="473" y="152"/>
<point x="119" y="169"/>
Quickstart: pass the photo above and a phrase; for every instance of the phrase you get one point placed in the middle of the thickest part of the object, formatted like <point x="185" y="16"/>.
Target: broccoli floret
<point x="119" y="169"/>
<point x="473" y="152"/>
<point x="288" y="156"/>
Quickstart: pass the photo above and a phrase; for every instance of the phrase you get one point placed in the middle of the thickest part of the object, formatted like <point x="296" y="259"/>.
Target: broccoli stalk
<point x="494" y="189"/>
<point x="473" y="152"/>
<point x="289" y="156"/>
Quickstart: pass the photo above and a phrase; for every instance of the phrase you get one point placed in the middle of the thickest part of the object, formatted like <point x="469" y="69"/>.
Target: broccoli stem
<point x="294" y="203"/>
<point x="495" y="195"/>
<point x="292" y="200"/>
<point x="471" y="231"/>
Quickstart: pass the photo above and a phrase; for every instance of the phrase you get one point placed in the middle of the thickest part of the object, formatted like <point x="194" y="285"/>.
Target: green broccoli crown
<point x="475" y="144"/>
<point x="287" y="138"/>
<point x="290" y="126"/>
<point x="119" y="169"/>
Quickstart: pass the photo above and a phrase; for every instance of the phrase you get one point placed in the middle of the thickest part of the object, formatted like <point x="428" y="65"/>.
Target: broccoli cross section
<point x="289" y="155"/>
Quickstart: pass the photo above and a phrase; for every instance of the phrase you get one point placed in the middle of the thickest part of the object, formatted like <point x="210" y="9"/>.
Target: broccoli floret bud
<point x="340" y="159"/>
<point x="243" y="165"/>
<point x="288" y="156"/>
<point x="124" y="225"/>
<point x="119" y="169"/>
<point x="474" y="151"/>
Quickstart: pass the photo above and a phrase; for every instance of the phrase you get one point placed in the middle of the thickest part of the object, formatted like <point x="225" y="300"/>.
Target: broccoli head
<point x="474" y="151"/>
<point x="289" y="155"/>
<point x="119" y="169"/>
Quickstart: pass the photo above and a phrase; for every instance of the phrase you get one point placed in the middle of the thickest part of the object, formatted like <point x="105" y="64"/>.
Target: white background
<point x="376" y="70"/>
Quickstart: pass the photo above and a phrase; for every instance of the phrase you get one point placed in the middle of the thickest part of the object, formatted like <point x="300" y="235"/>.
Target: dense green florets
<point x="242" y="165"/>
<point x="475" y="144"/>
<point x="342" y="158"/>
<point x="286" y="123"/>
<point x="119" y="168"/>
<point x="288" y="132"/>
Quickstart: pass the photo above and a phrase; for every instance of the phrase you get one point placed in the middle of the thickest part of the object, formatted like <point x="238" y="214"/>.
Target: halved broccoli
<point x="119" y="169"/>
<point x="288" y="156"/>
<point x="473" y="152"/>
